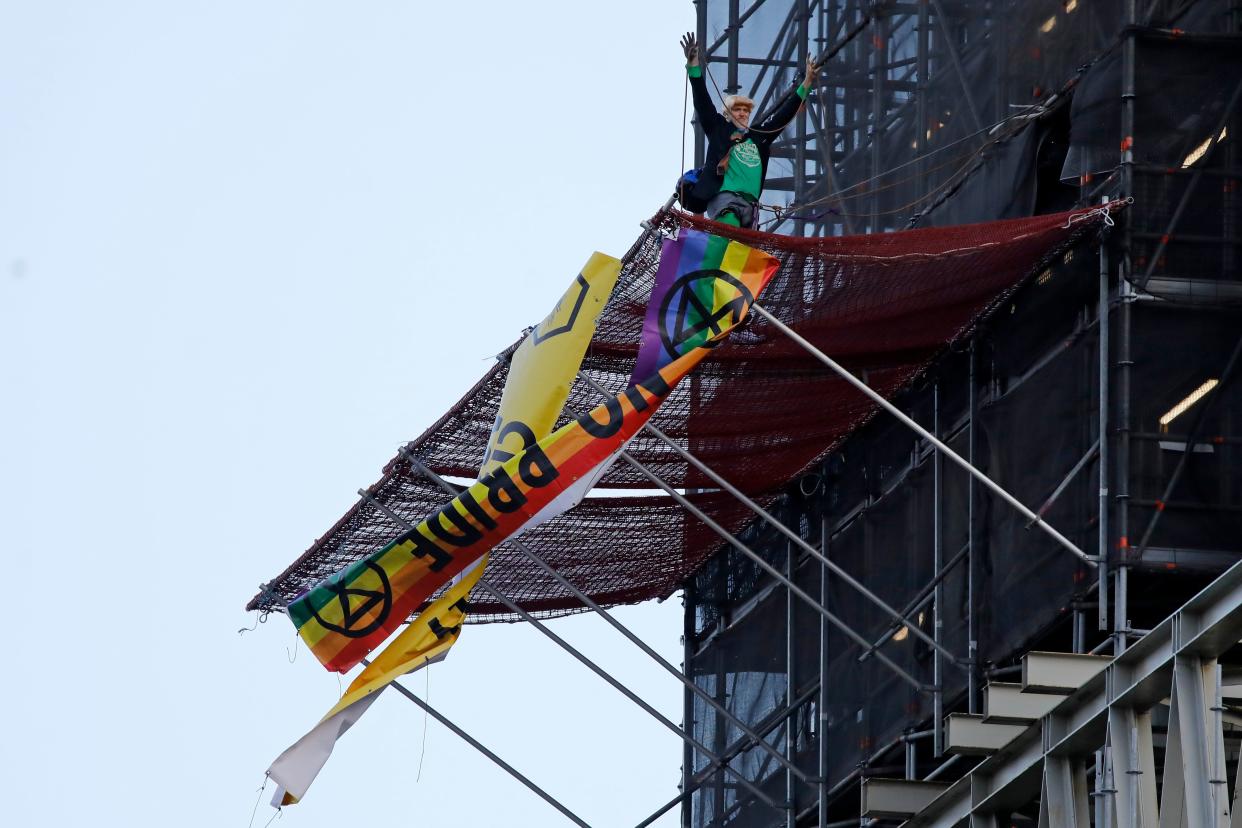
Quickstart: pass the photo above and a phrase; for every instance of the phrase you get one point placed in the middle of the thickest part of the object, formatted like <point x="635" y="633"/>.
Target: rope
<point x="824" y="58"/>
<point x="1103" y="211"/>
<point x="720" y="94"/>
<point x="968" y="157"/>
<point x="423" y="750"/>
<point x="819" y="65"/>
<point x="963" y="161"/>
<point x="262" y="788"/>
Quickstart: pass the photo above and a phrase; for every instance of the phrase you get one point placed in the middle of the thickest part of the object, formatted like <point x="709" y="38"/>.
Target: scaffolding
<point x="865" y="620"/>
<point x="1117" y="368"/>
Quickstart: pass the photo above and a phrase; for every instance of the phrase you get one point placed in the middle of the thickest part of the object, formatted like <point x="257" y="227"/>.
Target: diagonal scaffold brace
<point x="481" y="748"/>
<point x="757" y="740"/>
<point x="878" y="399"/>
<point x="659" y="717"/>
<point x="763" y="563"/>
<point x="788" y="533"/>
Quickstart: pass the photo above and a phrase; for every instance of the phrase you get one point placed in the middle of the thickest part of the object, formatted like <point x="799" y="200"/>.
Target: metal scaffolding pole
<point x="937" y="574"/>
<point x="769" y="723"/>
<point x="972" y="554"/>
<point x="878" y="57"/>
<point x="767" y="567"/>
<point x="925" y="595"/>
<point x="1103" y="542"/>
<point x="699" y="780"/>
<point x="769" y="60"/>
<point x="734" y="29"/>
<point x="924" y="433"/>
<point x="1069" y="478"/>
<point x="821" y="725"/>
<point x="418" y="465"/>
<point x="700" y="140"/>
<point x="1191" y="187"/>
<point x="804" y="15"/>
<point x="1192" y="437"/>
<point x="481" y="748"/>
<point x="1126" y="296"/>
<point x="589" y="664"/>
<point x="778" y="525"/>
<point x="791" y="735"/>
<point x="921" y="91"/>
<point x="951" y="49"/>
<point x="688" y="721"/>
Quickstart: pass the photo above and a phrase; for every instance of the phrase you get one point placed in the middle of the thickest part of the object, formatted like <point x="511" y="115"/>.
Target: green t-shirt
<point x="745" y="171"/>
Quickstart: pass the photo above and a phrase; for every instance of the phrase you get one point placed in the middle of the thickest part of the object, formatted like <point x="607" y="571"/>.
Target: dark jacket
<point x="719" y="131"/>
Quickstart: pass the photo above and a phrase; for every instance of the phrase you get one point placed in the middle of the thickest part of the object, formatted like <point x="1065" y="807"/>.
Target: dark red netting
<point x="759" y="410"/>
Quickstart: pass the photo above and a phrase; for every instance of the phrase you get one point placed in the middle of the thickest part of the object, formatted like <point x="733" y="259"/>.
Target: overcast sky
<point x="246" y="250"/>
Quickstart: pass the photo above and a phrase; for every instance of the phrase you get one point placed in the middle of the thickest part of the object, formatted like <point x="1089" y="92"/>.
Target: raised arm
<point x="788" y="108"/>
<point x="704" y="106"/>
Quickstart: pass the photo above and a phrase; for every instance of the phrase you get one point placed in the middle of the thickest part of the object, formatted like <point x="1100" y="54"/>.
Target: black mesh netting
<point x="759" y="410"/>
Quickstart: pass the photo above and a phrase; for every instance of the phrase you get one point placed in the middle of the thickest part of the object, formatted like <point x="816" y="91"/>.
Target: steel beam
<point x="659" y="717"/>
<point x="1213" y="138"/>
<point x="897" y="798"/>
<point x="1062" y="673"/>
<point x="1226" y="374"/>
<point x="943" y="20"/>
<point x="1140" y="678"/>
<point x="422" y="468"/>
<point x="481" y="748"/>
<point x="922" y="432"/>
<point x="1005" y="703"/>
<point x="729" y="538"/>
<point x="1134" y="768"/>
<point x="969" y="735"/>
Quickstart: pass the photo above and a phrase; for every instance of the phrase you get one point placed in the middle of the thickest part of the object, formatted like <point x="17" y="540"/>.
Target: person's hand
<point x="808" y="82"/>
<point x="690" y="45"/>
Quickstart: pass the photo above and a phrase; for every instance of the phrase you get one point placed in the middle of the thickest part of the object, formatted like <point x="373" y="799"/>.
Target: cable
<point x="962" y="160"/>
<point x="819" y="65"/>
<point x="969" y="156"/>
<point x="423" y="750"/>
<point x="262" y="788"/>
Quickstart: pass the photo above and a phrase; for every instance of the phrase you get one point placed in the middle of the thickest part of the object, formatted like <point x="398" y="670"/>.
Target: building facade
<point x="1105" y="392"/>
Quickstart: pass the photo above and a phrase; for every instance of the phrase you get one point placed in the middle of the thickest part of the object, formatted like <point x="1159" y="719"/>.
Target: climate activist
<point x="731" y="179"/>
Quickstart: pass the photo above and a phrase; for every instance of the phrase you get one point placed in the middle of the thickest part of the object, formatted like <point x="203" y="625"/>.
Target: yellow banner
<point x="541" y="372"/>
<point x="543" y="367"/>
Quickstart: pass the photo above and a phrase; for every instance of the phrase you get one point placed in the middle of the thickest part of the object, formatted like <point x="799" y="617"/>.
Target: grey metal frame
<point x="483" y="749"/>
<point x="866" y="93"/>
<point x="1108" y="724"/>
<point x="1176" y="661"/>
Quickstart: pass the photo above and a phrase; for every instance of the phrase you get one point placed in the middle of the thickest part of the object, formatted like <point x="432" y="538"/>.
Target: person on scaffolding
<point x="728" y="186"/>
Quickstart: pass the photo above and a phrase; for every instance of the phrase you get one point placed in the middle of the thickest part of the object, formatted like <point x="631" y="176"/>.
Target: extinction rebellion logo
<point x="357" y="602"/>
<point x="687" y="317"/>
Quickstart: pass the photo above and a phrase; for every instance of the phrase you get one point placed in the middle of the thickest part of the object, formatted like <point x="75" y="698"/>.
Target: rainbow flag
<point x="697" y="294"/>
<point x="349" y="614"/>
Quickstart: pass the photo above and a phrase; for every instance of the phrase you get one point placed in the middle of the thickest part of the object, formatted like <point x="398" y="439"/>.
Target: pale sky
<point x="247" y="250"/>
